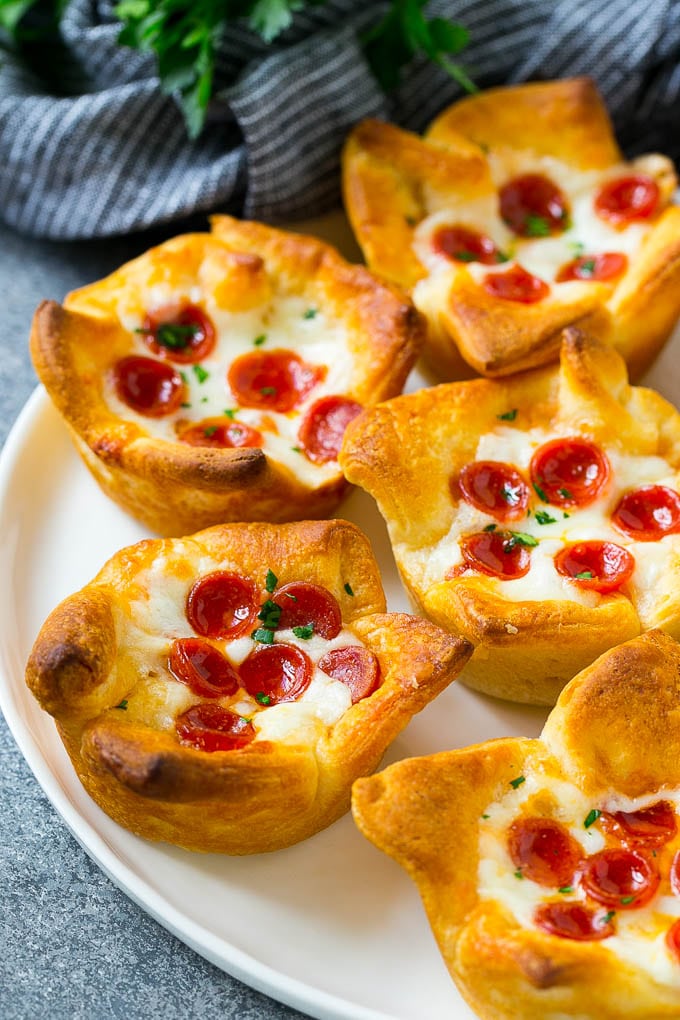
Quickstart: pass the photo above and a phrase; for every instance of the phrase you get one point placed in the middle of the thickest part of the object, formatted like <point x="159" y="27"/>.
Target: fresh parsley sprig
<point x="184" y="35"/>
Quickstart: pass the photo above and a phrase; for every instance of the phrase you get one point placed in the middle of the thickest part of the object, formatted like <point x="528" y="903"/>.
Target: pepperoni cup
<point x="627" y="199"/>
<point x="649" y="513"/>
<point x="461" y="244"/>
<point x="494" y="487"/>
<point x="570" y="471"/>
<point x="148" y="386"/>
<point x="182" y="335"/>
<point x="497" y="554"/>
<point x="603" y="567"/>
<point x="533" y="206"/>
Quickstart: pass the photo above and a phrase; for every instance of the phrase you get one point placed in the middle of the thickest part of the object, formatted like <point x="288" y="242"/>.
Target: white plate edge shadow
<point x="223" y="954"/>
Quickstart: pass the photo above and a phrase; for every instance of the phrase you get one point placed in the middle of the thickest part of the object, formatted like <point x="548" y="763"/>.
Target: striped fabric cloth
<point x="111" y="155"/>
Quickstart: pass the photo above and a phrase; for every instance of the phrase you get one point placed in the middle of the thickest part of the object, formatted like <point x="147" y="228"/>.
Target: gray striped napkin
<point x="111" y="155"/>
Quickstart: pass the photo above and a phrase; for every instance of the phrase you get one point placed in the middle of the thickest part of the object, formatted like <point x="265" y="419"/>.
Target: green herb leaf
<point x="209" y="431"/>
<point x="304" y="633"/>
<point x="502" y="257"/>
<point x="540" y="493"/>
<point x="200" y="373"/>
<point x="490" y="527"/>
<point x="229" y="412"/>
<point x="123" y="705"/>
<point x="270" y="614"/>
<point x="586" y="268"/>
<point x="564" y="493"/>
<point x="311" y="313"/>
<point x="296" y="449"/>
<point x="518" y="874"/>
<point x="465" y="256"/>
<point x="263" y="635"/>
<point x="521" y="538"/>
<point x="173" y="335"/>
<point x="485" y="817"/>
<point x="508" y="416"/>
<point x="262" y="698"/>
<point x="591" y="818"/>
<point x="259" y="340"/>
<point x="268" y="391"/>
<point x="271" y="581"/>
<point x="606" y="918"/>
<point x="185" y="405"/>
<point x="625" y="900"/>
<point x="577" y="248"/>
<point x="348" y="588"/>
<point x="565" y="889"/>
<point x="514" y="783"/>
<point x="584" y="575"/>
<point x="536" y="226"/>
<point x="544" y="518"/>
<point x="184" y="377"/>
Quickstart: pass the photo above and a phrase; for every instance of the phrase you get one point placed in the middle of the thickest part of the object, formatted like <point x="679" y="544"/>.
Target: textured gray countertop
<point x="72" y="946"/>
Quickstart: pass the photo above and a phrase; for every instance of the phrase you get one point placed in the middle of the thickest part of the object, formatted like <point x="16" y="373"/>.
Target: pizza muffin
<point x="514" y="217"/>
<point x="550" y="868"/>
<point x="223" y="691"/>
<point x="538" y="516"/>
<point x="211" y="379"/>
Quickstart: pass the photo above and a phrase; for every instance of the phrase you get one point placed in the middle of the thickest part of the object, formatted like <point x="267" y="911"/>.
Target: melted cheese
<point x="318" y="340"/>
<point x="543" y="257"/>
<point x="157" y="617"/>
<point x="653" y="559"/>
<point x="640" y="933"/>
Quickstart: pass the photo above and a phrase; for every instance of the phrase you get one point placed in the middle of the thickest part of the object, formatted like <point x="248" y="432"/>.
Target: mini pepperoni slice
<point x="626" y="199"/>
<point x="464" y="245"/>
<point x="673" y="940"/>
<point x="570" y="471"/>
<point x="222" y="605"/>
<point x="496" y="488"/>
<point x="324" y="426"/>
<point x="574" y="921"/>
<point x="276" y="673"/>
<point x="648" y="513"/>
<point x="309" y="605"/>
<point x="533" y="206"/>
<point x="543" y="850"/>
<point x="355" y="666"/>
<point x="620" y="878"/>
<point x="221" y="435"/>
<point x="203" y="668"/>
<point x="652" y="826"/>
<point x="599" y="566"/>
<point x="496" y="553"/>
<point x="516" y="284"/>
<point x="212" y="728"/>
<point x="148" y="386"/>
<point x="272" y="380"/>
<point x="599" y="268"/>
<point x="185" y="335"/>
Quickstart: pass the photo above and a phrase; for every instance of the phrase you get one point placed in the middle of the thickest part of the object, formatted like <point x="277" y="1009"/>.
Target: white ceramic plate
<point x="332" y="926"/>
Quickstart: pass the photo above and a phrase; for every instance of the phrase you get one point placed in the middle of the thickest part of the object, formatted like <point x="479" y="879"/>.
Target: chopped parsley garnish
<point x="584" y="575"/>
<point x="625" y="900"/>
<point x="591" y="818"/>
<point x="259" y="340"/>
<point x="465" y="256"/>
<point x="229" y="412"/>
<point x="348" y="588"/>
<point x="200" y="373"/>
<point x="262" y="698"/>
<point x="263" y="635"/>
<point x="411" y="220"/>
<point x="490" y="527"/>
<point x="565" y="514"/>
<point x="577" y="248"/>
<point x="271" y="581"/>
<point x="304" y="633"/>
<point x="122" y="705"/>
<point x="606" y="918"/>
<point x="296" y="449"/>
<point x="209" y="431"/>
<point x="268" y="391"/>
<point x="288" y="595"/>
<point x="564" y="493"/>
<point x="310" y="313"/>
<point x="514" y="783"/>
<point x="270" y="614"/>
<point x="485" y="817"/>
<point x="246" y="718"/>
<point x="204" y="400"/>
<point x="518" y="874"/>
<point x="540" y="493"/>
<point x="185" y="405"/>
<point x="508" y="416"/>
<point x="536" y="226"/>
<point x="519" y="538"/>
<point x="586" y="268"/>
<point x="566" y="889"/>
<point x="185" y="379"/>
<point x="173" y="335"/>
<point x="544" y="518"/>
<point x="511" y="494"/>
<point x="502" y="257"/>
